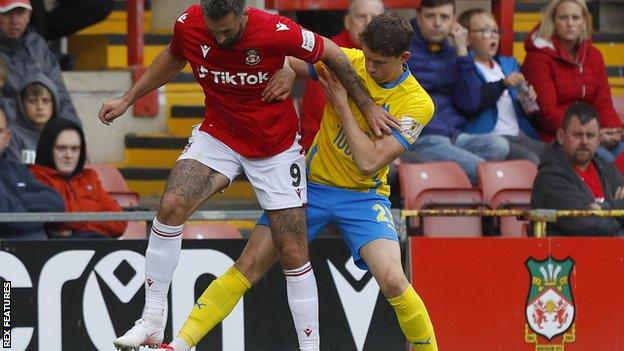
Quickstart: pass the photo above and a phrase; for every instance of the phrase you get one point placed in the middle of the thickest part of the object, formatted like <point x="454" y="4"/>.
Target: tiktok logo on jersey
<point x="233" y="78"/>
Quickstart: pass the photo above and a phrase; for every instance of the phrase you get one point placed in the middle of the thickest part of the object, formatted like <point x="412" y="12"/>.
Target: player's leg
<point x="383" y="258"/>
<point x="190" y="183"/>
<point x="366" y="224"/>
<point x="279" y="183"/>
<point x="223" y="293"/>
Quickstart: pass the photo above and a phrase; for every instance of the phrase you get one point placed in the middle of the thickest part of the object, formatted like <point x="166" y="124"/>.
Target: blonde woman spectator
<point x="564" y="67"/>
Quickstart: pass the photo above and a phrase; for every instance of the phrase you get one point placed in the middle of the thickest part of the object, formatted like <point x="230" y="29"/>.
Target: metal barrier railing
<point x="539" y="217"/>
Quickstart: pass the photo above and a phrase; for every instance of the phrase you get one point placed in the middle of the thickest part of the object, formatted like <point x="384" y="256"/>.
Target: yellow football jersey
<point x="329" y="160"/>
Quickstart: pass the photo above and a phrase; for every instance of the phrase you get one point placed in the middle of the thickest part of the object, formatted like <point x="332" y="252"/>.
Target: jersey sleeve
<point x="176" y="43"/>
<point x="352" y="55"/>
<point x="297" y="41"/>
<point x="413" y="116"/>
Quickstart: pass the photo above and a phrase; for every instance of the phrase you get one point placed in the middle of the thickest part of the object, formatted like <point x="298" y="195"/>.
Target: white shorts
<point x="279" y="181"/>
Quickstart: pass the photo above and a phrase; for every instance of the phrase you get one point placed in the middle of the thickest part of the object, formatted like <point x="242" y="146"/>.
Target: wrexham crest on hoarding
<point x="550" y="306"/>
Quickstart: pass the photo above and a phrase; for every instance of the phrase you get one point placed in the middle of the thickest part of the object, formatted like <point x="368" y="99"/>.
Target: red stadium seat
<point x="115" y="185"/>
<point x="210" y="230"/>
<point x="439" y="185"/>
<point x="507" y="184"/>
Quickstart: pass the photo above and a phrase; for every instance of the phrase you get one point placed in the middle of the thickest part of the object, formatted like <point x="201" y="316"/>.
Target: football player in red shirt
<point x="249" y="125"/>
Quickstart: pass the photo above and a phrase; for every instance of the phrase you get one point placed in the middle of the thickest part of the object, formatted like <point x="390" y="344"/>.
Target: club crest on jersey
<point x="252" y="57"/>
<point x="280" y="27"/>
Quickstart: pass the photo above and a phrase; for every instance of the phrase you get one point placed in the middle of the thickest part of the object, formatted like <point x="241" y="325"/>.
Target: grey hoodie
<point x="25" y="134"/>
<point x="29" y="55"/>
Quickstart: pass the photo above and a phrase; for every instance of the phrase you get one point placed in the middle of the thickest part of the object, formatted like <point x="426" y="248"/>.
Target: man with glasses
<point x="447" y="73"/>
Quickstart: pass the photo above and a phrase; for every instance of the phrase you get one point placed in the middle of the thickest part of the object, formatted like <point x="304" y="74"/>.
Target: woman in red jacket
<point x="59" y="164"/>
<point x="564" y="67"/>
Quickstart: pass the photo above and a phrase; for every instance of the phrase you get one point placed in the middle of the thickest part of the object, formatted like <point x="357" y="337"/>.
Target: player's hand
<point x="334" y="91"/>
<point x="619" y="193"/>
<point x="279" y="86"/>
<point x="379" y="120"/>
<point x="112" y="109"/>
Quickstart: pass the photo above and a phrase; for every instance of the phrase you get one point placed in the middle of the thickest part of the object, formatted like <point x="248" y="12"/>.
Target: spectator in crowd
<point x="357" y="17"/>
<point x="564" y="67"/>
<point x="61" y="154"/>
<point x="21" y="192"/>
<point x="7" y="105"/>
<point x="503" y="88"/>
<point x="448" y="74"/>
<point x="26" y="53"/>
<point x="37" y="106"/>
<point x="572" y="176"/>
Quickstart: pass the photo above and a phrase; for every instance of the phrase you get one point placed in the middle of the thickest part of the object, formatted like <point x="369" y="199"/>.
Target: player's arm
<point x="377" y="118"/>
<point x="369" y="155"/>
<point x="164" y="67"/>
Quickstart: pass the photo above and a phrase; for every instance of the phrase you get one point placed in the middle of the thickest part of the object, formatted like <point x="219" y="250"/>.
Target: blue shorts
<point x="361" y="217"/>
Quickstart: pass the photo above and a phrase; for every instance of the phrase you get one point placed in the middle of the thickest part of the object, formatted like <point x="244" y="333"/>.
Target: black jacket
<point x="21" y="192"/>
<point x="558" y="186"/>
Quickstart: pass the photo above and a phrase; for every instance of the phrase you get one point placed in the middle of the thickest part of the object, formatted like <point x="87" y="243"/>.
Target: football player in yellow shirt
<point x="347" y="169"/>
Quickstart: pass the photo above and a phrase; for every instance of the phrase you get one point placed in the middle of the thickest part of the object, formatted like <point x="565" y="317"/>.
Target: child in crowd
<point x="505" y="94"/>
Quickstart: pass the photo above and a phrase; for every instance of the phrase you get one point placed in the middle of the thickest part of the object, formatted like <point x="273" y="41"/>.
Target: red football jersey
<point x="233" y="78"/>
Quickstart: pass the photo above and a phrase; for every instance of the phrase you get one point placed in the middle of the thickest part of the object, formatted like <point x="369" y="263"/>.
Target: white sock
<point x="161" y="260"/>
<point x="179" y="345"/>
<point x="303" y="303"/>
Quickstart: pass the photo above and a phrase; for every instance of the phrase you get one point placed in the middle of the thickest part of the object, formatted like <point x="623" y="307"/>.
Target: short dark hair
<point x="218" y="9"/>
<point x="466" y="16"/>
<point x="388" y="34"/>
<point x="581" y="110"/>
<point x="436" y="3"/>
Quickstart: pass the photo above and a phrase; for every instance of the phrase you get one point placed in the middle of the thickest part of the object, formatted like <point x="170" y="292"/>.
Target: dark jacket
<point x="25" y="133"/>
<point x="485" y="120"/>
<point x="21" y="192"/>
<point x="450" y="81"/>
<point x="29" y="55"/>
<point x="558" y="186"/>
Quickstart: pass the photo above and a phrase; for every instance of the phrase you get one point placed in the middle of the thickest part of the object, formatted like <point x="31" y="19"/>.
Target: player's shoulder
<point x="266" y="20"/>
<point x="190" y="17"/>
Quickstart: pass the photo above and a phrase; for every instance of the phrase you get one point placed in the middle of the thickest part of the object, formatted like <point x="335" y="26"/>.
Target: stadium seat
<point x="210" y="230"/>
<point x="115" y="185"/>
<point x="439" y="185"/>
<point x="507" y="184"/>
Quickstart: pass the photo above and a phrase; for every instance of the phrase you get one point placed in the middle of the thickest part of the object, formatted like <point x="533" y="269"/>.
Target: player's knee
<point x="292" y="255"/>
<point x="172" y="210"/>
<point x="393" y="284"/>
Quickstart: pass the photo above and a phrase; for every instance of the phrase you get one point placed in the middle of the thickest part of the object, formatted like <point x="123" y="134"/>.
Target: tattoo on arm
<point x="340" y="65"/>
<point x="192" y="181"/>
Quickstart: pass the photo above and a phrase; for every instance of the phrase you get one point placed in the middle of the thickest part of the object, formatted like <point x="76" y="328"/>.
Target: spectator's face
<point x="359" y="16"/>
<point x="384" y="69"/>
<point x="569" y="22"/>
<point x="66" y="151"/>
<point x="483" y="36"/>
<point x="580" y="141"/>
<point x="435" y="23"/>
<point x="5" y="133"/>
<point x="228" y="30"/>
<point x="13" y="23"/>
<point x="39" y="108"/>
